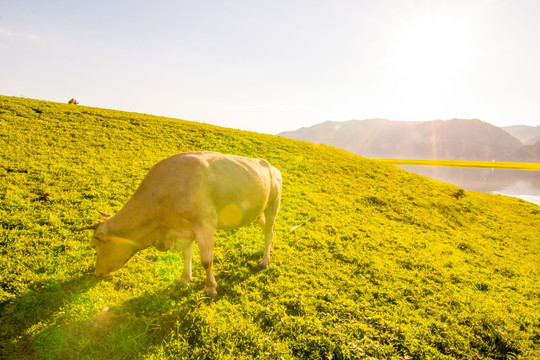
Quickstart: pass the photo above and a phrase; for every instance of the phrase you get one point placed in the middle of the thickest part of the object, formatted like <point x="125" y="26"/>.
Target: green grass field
<point x="466" y="164"/>
<point x="370" y="261"/>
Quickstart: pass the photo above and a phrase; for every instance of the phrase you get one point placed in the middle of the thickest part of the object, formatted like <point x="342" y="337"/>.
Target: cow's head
<point x="112" y="251"/>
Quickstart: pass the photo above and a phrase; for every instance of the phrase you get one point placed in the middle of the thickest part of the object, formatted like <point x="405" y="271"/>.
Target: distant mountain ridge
<point x="455" y="139"/>
<point x="529" y="135"/>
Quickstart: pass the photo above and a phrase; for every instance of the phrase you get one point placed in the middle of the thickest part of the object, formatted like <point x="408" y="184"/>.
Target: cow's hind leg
<point x="205" y="239"/>
<point x="267" y="221"/>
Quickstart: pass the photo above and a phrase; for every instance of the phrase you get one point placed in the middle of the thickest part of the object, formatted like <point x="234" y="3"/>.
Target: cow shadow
<point x="174" y="312"/>
<point x="233" y="274"/>
<point x="32" y="325"/>
<point x="37" y="306"/>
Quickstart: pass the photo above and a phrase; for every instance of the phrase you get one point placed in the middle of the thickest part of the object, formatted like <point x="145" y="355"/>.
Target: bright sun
<point x="431" y="50"/>
<point x="428" y="60"/>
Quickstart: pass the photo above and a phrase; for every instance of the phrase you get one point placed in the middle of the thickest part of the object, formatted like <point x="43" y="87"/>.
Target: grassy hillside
<point x="370" y="261"/>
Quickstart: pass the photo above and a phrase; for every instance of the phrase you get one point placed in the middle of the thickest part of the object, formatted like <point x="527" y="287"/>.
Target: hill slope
<point x="454" y="139"/>
<point x="369" y="260"/>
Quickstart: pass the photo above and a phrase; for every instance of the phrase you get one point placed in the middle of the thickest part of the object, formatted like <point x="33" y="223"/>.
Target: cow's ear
<point x="88" y="227"/>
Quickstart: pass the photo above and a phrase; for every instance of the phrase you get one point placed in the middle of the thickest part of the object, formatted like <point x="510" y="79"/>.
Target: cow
<point x="185" y="198"/>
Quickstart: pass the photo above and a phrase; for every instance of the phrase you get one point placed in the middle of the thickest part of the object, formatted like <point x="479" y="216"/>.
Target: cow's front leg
<point x="205" y="239"/>
<point x="187" y="249"/>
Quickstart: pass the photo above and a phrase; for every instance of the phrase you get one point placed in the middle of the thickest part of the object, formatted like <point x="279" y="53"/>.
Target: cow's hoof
<point x="211" y="292"/>
<point x="264" y="264"/>
<point x="184" y="281"/>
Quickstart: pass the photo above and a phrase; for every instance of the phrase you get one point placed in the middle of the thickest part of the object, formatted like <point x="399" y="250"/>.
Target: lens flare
<point x="231" y="215"/>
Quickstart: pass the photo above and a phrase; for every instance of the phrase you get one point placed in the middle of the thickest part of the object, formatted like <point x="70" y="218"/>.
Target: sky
<point x="272" y="66"/>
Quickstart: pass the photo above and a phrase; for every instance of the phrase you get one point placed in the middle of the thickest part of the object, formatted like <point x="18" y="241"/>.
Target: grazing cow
<point x="185" y="198"/>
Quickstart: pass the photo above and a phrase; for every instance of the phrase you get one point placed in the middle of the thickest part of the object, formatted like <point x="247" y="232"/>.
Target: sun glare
<point x="428" y="60"/>
<point x="431" y="50"/>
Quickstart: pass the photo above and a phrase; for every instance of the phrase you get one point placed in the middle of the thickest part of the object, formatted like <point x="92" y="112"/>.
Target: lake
<point x="522" y="184"/>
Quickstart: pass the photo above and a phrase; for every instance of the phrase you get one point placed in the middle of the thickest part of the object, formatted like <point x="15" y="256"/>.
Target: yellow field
<point x="465" y="163"/>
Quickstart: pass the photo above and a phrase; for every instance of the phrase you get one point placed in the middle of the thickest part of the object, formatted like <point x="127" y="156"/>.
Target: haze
<point x="271" y="66"/>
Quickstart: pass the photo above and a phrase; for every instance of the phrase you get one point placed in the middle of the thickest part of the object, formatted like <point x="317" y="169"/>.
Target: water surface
<point x="522" y="184"/>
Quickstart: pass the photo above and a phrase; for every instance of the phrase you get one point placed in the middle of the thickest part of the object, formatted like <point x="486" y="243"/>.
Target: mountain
<point x="528" y="135"/>
<point x="455" y="139"/>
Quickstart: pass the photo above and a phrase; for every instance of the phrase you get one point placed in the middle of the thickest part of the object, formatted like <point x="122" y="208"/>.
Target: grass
<point x="370" y="261"/>
<point x="466" y="164"/>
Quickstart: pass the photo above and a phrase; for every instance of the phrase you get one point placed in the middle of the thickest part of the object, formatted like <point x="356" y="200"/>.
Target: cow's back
<point x="188" y="188"/>
<point x="234" y="189"/>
